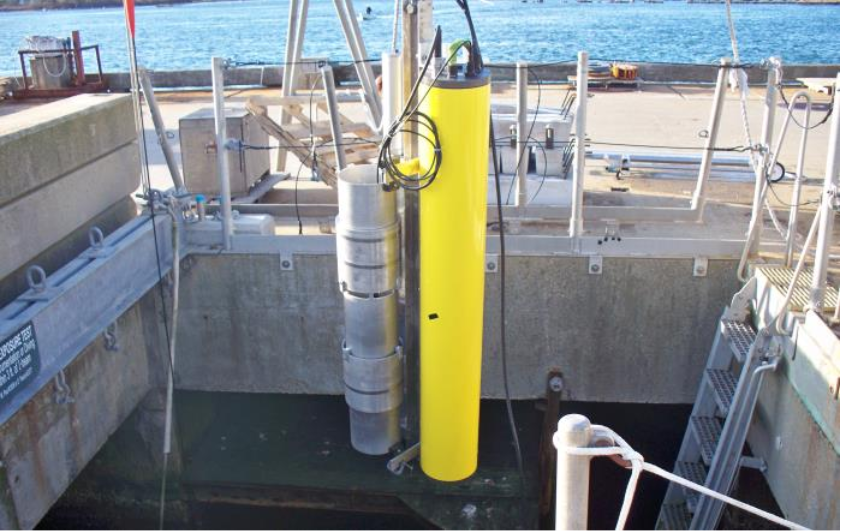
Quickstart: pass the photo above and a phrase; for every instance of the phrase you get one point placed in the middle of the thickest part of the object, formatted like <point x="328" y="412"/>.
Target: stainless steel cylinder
<point x="367" y="269"/>
<point x="367" y="259"/>
<point x="371" y="325"/>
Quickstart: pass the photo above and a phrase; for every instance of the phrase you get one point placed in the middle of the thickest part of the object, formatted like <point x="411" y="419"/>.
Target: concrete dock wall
<point x="45" y="445"/>
<point x="62" y="164"/>
<point x="272" y="76"/>
<point x="247" y="326"/>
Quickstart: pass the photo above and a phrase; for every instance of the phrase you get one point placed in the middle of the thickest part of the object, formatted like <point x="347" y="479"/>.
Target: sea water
<point x="185" y="36"/>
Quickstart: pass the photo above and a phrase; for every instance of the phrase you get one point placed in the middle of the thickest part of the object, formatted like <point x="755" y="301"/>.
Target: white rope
<point x="636" y="460"/>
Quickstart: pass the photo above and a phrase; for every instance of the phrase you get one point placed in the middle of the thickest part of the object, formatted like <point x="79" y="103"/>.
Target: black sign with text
<point x="19" y="361"/>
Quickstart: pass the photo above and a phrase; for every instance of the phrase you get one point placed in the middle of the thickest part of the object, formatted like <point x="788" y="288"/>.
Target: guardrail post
<point x="575" y="229"/>
<point x="523" y="159"/>
<point x="698" y="200"/>
<point x="831" y="191"/>
<point x="217" y="65"/>
<point x="572" y="472"/>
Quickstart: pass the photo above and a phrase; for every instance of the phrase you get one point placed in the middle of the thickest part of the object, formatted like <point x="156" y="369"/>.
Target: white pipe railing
<point x="218" y="82"/>
<point x="576" y="225"/>
<point x="577" y="441"/>
<point x="523" y="150"/>
<point x="830" y="198"/>
<point x="793" y="219"/>
<point x="698" y="199"/>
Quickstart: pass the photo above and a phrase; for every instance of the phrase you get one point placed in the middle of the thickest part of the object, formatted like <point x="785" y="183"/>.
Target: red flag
<point x="129" y="9"/>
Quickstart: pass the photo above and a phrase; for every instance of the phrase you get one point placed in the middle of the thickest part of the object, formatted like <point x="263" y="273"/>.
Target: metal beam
<point x="91" y="291"/>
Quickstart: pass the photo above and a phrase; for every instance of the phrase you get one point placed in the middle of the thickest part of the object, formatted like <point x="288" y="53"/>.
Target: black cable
<point x="502" y="276"/>
<point x="390" y="172"/>
<point x="800" y="124"/>
<point x="529" y="131"/>
<point x="733" y="149"/>
<point x="544" y="174"/>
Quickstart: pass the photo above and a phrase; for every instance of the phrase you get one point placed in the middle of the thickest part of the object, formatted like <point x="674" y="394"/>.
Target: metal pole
<point x="698" y="199"/>
<point x="761" y="169"/>
<point x="391" y="95"/>
<point x="831" y="196"/>
<point x="351" y="30"/>
<point x="160" y="130"/>
<point x="793" y="221"/>
<point x="409" y="58"/>
<point x="523" y="160"/>
<point x="575" y="229"/>
<point x="217" y="65"/>
<point x="295" y="65"/>
<point x="334" y="115"/>
<point x="572" y="472"/>
<point x="287" y="84"/>
<point x="78" y="59"/>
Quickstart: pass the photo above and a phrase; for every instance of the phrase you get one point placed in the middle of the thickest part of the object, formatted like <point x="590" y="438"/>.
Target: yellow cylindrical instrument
<point x="452" y="250"/>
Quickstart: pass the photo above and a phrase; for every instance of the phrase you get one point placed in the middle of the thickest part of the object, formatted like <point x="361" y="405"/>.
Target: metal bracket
<point x="63" y="394"/>
<point x="285" y="260"/>
<point x="491" y="263"/>
<point x="97" y="248"/>
<point x="595" y="264"/>
<point x="110" y="338"/>
<point x="397" y="464"/>
<point x="39" y="290"/>
<point x="756" y="463"/>
<point x="700" y="266"/>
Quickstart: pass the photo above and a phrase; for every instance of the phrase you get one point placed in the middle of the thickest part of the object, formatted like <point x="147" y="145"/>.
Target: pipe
<point x="793" y="221"/>
<point x="831" y="195"/>
<point x="762" y="163"/>
<point x="391" y="94"/>
<point x="523" y="160"/>
<point x="367" y="262"/>
<point x="777" y="322"/>
<point x="572" y="472"/>
<point x="334" y="115"/>
<point x="698" y="199"/>
<point x="287" y="83"/>
<point x="576" y="225"/>
<point x="160" y="130"/>
<point x="217" y="65"/>
<point x="295" y="65"/>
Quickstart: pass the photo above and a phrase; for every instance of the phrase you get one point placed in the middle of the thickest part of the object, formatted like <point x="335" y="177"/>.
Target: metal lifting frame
<point x="296" y="26"/>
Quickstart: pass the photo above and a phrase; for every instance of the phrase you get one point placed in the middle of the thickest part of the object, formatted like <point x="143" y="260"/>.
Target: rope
<point x="638" y="464"/>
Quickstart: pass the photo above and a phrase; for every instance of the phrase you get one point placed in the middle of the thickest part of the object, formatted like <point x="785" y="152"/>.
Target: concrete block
<point x="44" y="143"/>
<point x="247" y="326"/>
<point x="45" y="445"/>
<point x="45" y="216"/>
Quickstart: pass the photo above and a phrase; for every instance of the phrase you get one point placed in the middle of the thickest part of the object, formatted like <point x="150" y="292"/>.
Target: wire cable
<point x="502" y="277"/>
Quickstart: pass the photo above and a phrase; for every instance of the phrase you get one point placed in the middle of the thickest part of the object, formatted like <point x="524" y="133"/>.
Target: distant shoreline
<point x="55" y="5"/>
<point x="52" y="5"/>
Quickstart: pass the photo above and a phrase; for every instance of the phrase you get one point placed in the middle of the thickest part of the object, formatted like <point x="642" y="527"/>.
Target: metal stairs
<point x="712" y="449"/>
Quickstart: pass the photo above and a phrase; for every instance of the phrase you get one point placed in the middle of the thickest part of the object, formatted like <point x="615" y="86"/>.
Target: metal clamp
<point x="700" y="266"/>
<point x="595" y="264"/>
<point x="63" y="394"/>
<point x="397" y="464"/>
<point x="491" y="263"/>
<point x="110" y="339"/>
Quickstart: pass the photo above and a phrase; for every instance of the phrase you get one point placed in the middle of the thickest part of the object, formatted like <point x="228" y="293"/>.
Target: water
<point x="186" y="36"/>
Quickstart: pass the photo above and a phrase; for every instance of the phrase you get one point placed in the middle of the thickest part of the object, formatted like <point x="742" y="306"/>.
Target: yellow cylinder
<point x="452" y="217"/>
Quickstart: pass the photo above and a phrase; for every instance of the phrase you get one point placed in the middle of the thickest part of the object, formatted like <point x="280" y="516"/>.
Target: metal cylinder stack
<point x="367" y="264"/>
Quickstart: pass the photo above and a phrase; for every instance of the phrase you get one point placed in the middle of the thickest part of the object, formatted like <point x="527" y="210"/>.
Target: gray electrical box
<point x="199" y="155"/>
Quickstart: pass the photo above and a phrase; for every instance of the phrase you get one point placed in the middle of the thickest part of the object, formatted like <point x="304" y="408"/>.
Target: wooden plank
<point x="301" y="151"/>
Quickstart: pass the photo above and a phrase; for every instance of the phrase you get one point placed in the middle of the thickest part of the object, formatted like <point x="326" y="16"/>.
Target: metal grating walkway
<point x="780" y="276"/>
<point x="724" y="384"/>
<point x="707" y="431"/>
<point x="741" y="336"/>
